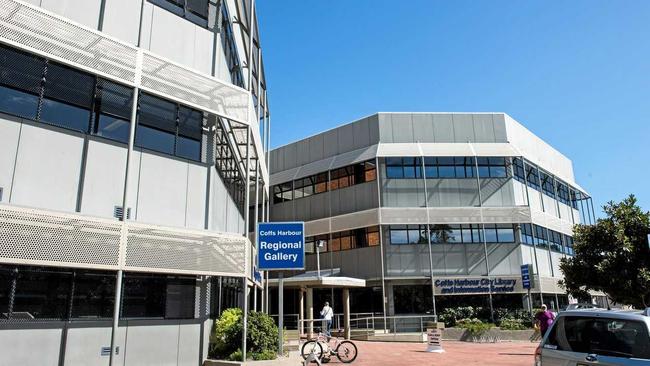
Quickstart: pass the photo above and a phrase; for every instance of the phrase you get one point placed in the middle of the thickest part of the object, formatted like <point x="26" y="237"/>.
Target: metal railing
<point x="292" y="321"/>
<point x="395" y="324"/>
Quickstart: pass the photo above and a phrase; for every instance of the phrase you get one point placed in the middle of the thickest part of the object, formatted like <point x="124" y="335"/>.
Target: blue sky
<point x="576" y="73"/>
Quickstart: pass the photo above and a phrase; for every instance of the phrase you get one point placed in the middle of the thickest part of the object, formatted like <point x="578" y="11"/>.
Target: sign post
<point x="526" y="283"/>
<point x="281" y="246"/>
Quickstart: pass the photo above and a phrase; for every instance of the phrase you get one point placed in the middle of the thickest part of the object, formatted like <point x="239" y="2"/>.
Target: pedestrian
<point x="326" y="314"/>
<point x="544" y="319"/>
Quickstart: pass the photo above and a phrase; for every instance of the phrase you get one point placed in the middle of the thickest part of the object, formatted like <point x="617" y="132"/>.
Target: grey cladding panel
<point x="303" y="152"/>
<point x="402" y="128"/>
<point x="463" y="128"/>
<point x="316" y="148"/>
<point x="346" y="138"/>
<point x="331" y="143"/>
<point x="290" y="156"/>
<point x="499" y="128"/>
<point x="361" y="133"/>
<point x="483" y="128"/>
<point x="443" y="128"/>
<point x="373" y="129"/>
<point x="423" y="128"/>
<point x="385" y="127"/>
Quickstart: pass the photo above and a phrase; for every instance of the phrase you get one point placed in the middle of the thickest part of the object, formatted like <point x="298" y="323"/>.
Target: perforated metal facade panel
<point x="40" y="237"/>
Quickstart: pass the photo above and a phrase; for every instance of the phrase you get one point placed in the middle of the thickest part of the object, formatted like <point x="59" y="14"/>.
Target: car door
<point x="589" y="340"/>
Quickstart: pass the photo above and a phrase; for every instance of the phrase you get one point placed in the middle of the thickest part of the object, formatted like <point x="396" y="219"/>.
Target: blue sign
<point x="280" y="245"/>
<point x="525" y="276"/>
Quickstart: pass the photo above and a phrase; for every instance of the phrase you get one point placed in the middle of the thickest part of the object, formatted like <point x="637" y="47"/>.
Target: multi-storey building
<point x="431" y="209"/>
<point x="132" y="133"/>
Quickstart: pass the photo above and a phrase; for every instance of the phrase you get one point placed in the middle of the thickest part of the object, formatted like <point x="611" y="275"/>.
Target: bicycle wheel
<point x="346" y="352"/>
<point x="309" y="347"/>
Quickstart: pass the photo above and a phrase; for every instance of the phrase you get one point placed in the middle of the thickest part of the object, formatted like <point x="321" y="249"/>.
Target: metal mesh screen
<point x="159" y="75"/>
<point x="52" y="35"/>
<point x="163" y="249"/>
<point x="35" y="30"/>
<point x="39" y="237"/>
<point x="45" y="238"/>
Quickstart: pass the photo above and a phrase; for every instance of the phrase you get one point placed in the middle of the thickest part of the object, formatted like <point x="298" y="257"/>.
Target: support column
<point x="310" y="312"/>
<point x="346" y="313"/>
<point x="301" y="313"/>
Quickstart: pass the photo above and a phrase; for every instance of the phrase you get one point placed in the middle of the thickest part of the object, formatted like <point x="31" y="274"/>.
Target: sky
<point x="576" y="73"/>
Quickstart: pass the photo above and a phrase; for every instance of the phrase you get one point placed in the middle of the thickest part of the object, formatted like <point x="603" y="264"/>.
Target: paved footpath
<point x="456" y="354"/>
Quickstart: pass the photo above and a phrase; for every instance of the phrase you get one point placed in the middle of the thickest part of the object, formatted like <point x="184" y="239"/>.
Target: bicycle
<point x="345" y="351"/>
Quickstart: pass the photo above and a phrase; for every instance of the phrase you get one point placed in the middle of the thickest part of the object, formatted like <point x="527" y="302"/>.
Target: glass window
<point x="65" y="115"/>
<point x="394" y="172"/>
<point x="398" y="235"/>
<point x="372" y="234"/>
<point x="532" y="176"/>
<point x="601" y="336"/>
<point x="18" y="103"/>
<point x="42" y="294"/>
<point x="505" y="233"/>
<point x="518" y="167"/>
<point x="113" y="128"/>
<point x="67" y="97"/>
<point x="6" y="278"/>
<point x="547" y="184"/>
<point x="540" y="236"/>
<point x="188" y="148"/>
<point x="94" y="295"/>
<point x="442" y="233"/>
<point x="154" y="139"/>
<point x="527" y="234"/>
<point x="491" y="234"/>
<point x="157" y="296"/>
<point x="20" y="82"/>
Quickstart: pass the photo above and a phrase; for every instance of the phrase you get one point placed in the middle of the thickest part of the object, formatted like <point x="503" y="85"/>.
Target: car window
<point x="602" y="336"/>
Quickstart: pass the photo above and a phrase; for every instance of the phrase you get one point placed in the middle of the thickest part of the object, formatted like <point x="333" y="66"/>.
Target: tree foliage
<point x="612" y="256"/>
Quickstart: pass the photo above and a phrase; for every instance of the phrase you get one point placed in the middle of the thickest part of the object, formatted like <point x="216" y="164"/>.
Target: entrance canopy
<point x="328" y="278"/>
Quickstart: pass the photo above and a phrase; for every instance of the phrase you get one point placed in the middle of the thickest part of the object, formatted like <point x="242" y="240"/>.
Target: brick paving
<point x="456" y="354"/>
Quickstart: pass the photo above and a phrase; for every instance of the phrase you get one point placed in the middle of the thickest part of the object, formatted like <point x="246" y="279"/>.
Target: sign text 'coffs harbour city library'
<point x="475" y="285"/>
<point x="281" y="245"/>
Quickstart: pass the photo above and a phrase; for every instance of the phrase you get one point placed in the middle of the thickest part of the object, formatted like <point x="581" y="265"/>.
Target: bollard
<point x="434" y="338"/>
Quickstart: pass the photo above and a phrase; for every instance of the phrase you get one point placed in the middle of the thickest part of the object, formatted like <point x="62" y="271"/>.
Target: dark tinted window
<point x="93" y="295"/>
<point x="18" y="103"/>
<point x="67" y="98"/>
<point x="6" y="277"/>
<point x="20" y="82"/>
<point x="42" y="294"/>
<point x="602" y="336"/>
<point x="113" y="110"/>
<point x="156" y="296"/>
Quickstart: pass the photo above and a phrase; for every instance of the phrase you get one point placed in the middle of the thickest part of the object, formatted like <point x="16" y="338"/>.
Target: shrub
<point x="264" y="355"/>
<point x="475" y="327"/>
<point x="512" y="324"/>
<point x="261" y="336"/>
<point x="235" y="356"/>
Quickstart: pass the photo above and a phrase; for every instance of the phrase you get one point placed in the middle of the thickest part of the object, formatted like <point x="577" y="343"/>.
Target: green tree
<point x="612" y="256"/>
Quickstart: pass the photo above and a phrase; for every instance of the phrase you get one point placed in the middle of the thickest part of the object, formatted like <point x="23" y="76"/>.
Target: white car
<point x="596" y="337"/>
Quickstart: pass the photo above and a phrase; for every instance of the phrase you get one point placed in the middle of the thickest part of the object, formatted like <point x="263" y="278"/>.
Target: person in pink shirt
<point x="544" y="319"/>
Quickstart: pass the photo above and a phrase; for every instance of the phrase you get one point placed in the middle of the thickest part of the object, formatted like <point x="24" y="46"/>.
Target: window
<point x="42" y="294"/>
<point x="67" y="98"/>
<point x="341" y="178"/>
<point x="312" y="242"/>
<point x="563" y="192"/>
<point x="568" y="245"/>
<point x="547" y="184"/>
<point x="282" y="192"/>
<point x="601" y="336"/>
<point x="229" y="48"/>
<point x="541" y="239"/>
<point x="532" y="176"/>
<point x="527" y="234"/>
<point x="398" y="168"/>
<point x="442" y="233"/>
<point x="492" y="167"/>
<point x="555" y="240"/>
<point x="398" y="234"/>
<point x="157" y="296"/>
<point x="518" y="168"/>
<point x="113" y="104"/>
<point x="308" y="186"/>
<point x="505" y="233"/>
<point x="195" y="11"/>
<point x="20" y="82"/>
<point x="94" y="295"/>
<point x="169" y="128"/>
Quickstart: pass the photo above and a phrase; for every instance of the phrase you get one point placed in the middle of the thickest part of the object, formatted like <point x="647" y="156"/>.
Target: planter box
<point x="494" y="334"/>
<point x="293" y="359"/>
